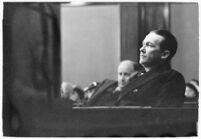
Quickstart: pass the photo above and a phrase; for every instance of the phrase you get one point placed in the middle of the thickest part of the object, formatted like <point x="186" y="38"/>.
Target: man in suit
<point x="159" y="86"/>
<point x="108" y="91"/>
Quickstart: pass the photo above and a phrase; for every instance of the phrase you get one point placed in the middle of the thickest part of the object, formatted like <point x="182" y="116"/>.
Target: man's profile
<point x="160" y="85"/>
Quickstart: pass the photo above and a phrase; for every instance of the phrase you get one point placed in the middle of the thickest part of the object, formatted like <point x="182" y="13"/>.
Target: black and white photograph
<point x="100" y="69"/>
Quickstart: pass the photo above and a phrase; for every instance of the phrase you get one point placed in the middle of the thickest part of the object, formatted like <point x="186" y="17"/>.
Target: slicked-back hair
<point x="169" y="42"/>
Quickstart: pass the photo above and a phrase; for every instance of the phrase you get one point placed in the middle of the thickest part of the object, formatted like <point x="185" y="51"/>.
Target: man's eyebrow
<point x="149" y="43"/>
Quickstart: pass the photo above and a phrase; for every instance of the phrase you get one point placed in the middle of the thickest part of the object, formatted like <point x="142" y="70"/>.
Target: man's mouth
<point x="122" y="84"/>
<point x="142" y="55"/>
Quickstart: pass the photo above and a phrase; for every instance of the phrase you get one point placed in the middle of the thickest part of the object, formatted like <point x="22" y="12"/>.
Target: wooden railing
<point x="58" y="119"/>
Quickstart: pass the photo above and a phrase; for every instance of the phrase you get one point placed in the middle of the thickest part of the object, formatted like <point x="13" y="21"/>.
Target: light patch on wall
<point x="90" y="43"/>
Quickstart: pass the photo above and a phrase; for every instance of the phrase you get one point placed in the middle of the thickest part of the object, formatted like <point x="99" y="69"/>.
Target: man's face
<point x="150" y="53"/>
<point x="125" y="72"/>
<point x="189" y="93"/>
<point x="66" y="88"/>
<point x="74" y="96"/>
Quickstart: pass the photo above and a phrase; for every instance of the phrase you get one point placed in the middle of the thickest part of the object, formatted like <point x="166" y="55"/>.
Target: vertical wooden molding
<point x="129" y="31"/>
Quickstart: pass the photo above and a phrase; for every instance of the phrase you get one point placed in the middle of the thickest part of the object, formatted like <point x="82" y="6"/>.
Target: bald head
<point x="126" y="70"/>
<point x="128" y="65"/>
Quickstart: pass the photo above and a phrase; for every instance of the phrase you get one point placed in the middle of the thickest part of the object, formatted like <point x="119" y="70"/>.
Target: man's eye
<point x="127" y="74"/>
<point x="148" y="44"/>
<point x="151" y="45"/>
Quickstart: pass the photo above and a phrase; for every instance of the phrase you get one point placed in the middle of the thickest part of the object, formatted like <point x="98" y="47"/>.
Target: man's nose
<point x="142" y="49"/>
<point x="122" y="78"/>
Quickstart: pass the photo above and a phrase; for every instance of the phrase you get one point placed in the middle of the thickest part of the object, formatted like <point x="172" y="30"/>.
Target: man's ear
<point x="165" y="54"/>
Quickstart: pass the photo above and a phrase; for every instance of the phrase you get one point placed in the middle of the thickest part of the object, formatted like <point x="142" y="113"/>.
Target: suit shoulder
<point x="110" y="81"/>
<point x="176" y="74"/>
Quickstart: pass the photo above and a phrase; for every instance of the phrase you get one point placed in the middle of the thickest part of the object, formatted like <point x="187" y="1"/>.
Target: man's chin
<point x="122" y="85"/>
<point x="142" y="62"/>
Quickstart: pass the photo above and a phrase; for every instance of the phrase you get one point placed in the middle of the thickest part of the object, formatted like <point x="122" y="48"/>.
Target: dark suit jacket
<point x="103" y="95"/>
<point x="160" y="87"/>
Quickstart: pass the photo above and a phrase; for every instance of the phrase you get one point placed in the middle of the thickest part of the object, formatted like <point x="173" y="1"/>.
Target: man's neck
<point x="161" y="65"/>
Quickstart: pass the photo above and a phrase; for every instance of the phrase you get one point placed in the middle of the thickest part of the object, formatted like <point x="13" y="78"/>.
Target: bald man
<point x="126" y="70"/>
<point x="108" y="91"/>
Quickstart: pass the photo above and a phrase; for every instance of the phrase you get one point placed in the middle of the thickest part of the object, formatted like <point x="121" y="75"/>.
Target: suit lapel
<point x="104" y="86"/>
<point x="137" y="82"/>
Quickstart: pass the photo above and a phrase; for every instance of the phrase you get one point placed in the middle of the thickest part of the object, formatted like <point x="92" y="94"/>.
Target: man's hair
<point x="169" y="42"/>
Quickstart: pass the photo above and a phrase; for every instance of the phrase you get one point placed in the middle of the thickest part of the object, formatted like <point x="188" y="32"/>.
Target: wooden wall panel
<point x="129" y="31"/>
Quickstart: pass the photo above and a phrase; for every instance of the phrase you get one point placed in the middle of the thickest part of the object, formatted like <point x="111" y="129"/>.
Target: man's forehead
<point x="153" y="37"/>
<point x="125" y="66"/>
